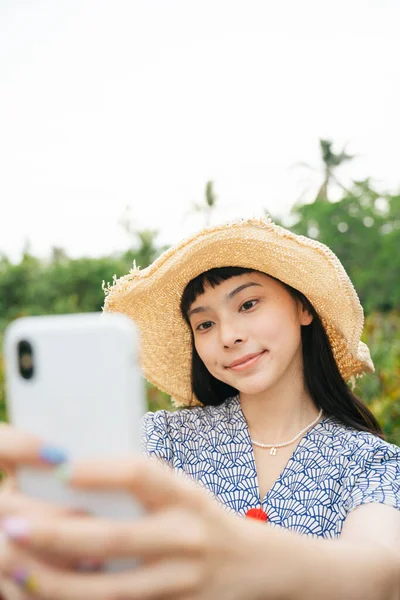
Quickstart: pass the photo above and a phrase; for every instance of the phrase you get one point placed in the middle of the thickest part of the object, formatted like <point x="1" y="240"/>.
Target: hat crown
<point x="151" y="297"/>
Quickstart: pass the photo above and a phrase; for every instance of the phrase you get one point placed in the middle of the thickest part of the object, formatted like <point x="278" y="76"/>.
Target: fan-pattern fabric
<point x="332" y="470"/>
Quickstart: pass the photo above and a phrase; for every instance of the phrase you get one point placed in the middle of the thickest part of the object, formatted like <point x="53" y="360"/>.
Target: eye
<point x="204" y="326"/>
<point x="248" y="305"/>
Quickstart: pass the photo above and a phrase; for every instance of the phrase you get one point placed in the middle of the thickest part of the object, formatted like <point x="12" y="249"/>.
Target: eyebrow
<point x="229" y="296"/>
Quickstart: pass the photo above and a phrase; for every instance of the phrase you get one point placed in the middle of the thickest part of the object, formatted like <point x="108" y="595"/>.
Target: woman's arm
<point x="358" y="566"/>
<point x="192" y="548"/>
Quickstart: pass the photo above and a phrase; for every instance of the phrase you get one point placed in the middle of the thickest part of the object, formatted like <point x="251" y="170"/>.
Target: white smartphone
<point x="74" y="381"/>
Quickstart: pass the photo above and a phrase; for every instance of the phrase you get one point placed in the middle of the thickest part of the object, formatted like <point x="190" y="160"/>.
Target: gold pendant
<point x="273" y="451"/>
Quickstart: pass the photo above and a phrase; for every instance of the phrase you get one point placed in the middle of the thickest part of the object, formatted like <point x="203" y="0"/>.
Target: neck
<point x="278" y="414"/>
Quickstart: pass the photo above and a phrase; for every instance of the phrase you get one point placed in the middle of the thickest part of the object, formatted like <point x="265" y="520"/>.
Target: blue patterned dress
<point x="332" y="470"/>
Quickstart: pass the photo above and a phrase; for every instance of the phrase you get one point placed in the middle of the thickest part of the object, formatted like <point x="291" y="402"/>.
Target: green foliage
<point x="329" y="157"/>
<point x="64" y="285"/>
<point x="157" y="400"/>
<point x="381" y="390"/>
<point x="3" y="415"/>
<point x="363" y="229"/>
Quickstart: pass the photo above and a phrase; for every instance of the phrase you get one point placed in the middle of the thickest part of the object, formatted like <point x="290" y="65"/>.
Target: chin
<point x="258" y="383"/>
<point x="253" y="387"/>
<point x="252" y="390"/>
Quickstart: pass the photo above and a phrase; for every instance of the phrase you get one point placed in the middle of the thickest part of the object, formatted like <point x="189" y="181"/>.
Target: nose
<point x="230" y="333"/>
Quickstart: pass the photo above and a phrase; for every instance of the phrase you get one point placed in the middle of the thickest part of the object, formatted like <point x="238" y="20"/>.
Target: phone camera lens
<point x="25" y="359"/>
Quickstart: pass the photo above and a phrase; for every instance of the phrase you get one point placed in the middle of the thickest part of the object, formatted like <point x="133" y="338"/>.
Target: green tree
<point x="146" y="248"/>
<point x="363" y="229"/>
<point x="64" y="285"/>
<point x="381" y="390"/>
<point x="330" y="162"/>
<point x="143" y="246"/>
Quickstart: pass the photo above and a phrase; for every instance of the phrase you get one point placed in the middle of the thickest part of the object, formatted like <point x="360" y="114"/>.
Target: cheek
<point x="279" y="328"/>
<point x="204" y="349"/>
<point x="268" y="325"/>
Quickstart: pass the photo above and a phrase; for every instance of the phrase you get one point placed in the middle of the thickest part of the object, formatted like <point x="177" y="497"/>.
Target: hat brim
<point x="151" y="297"/>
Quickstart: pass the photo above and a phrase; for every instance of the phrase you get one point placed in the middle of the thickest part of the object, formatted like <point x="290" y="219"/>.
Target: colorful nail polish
<point x="63" y="473"/>
<point x="52" y="455"/>
<point x="15" y="528"/>
<point x="25" y="580"/>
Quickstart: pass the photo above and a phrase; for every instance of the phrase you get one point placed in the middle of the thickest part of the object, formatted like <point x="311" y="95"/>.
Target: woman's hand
<point x="187" y="545"/>
<point x="18" y="448"/>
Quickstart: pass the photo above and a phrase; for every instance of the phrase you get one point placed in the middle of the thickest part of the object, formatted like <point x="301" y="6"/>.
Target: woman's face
<point x="247" y="331"/>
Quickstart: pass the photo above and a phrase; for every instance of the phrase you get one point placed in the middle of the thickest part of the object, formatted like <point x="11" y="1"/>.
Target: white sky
<point x="109" y="104"/>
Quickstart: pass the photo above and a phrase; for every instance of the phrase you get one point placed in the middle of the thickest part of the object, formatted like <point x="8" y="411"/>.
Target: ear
<point x="305" y="317"/>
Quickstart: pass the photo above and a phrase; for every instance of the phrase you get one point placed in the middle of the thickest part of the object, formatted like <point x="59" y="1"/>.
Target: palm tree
<point x="330" y="162"/>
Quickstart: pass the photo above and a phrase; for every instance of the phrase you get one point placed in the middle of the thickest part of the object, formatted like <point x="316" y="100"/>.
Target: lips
<point x="247" y="359"/>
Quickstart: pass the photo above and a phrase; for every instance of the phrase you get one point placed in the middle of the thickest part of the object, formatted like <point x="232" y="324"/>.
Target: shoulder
<point x="350" y="452"/>
<point x="196" y="417"/>
<point x="372" y="467"/>
<point x="167" y="430"/>
<point x="362" y="445"/>
<point x="379" y="465"/>
<point x="379" y="459"/>
<point x="168" y="421"/>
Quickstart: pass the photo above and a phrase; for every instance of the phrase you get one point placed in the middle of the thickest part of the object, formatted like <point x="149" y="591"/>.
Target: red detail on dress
<point x="257" y="513"/>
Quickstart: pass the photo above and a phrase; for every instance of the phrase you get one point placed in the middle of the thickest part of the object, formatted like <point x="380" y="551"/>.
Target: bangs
<point x="213" y="277"/>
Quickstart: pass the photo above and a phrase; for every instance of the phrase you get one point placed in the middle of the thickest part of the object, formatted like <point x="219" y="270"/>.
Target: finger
<point x="16" y="506"/>
<point x="8" y="589"/>
<point x="165" y="533"/>
<point x="173" y="578"/>
<point x="154" y="484"/>
<point x="14" y="503"/>
<point x="49" y="556"/>
<point x="18" y="447"/>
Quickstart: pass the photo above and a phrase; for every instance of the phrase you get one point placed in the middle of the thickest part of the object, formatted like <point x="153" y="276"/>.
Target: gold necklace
<point x="275" y="446"/>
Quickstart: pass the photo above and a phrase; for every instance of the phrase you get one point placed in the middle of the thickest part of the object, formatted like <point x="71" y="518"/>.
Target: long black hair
<point x="322" y="377"/>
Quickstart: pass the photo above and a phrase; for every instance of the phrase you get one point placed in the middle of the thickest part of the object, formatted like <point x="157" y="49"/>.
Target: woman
<point x="260" y="351"/>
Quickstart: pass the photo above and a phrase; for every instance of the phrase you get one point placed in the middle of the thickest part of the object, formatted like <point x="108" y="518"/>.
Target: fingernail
<point x="63" y="473"/>
<point x="15" y="528"/>
<point x="25" y="580"/>
<point x="52" y="455"/>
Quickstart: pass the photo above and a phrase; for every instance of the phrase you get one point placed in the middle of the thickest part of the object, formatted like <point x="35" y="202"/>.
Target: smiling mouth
<point x="246" y="362"/>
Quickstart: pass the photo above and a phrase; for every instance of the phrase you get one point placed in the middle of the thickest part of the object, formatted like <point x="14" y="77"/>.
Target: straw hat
<point x="151" y="297"/>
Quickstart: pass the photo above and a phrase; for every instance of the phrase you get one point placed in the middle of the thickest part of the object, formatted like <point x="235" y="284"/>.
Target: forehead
<point x="223" y="288"/>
